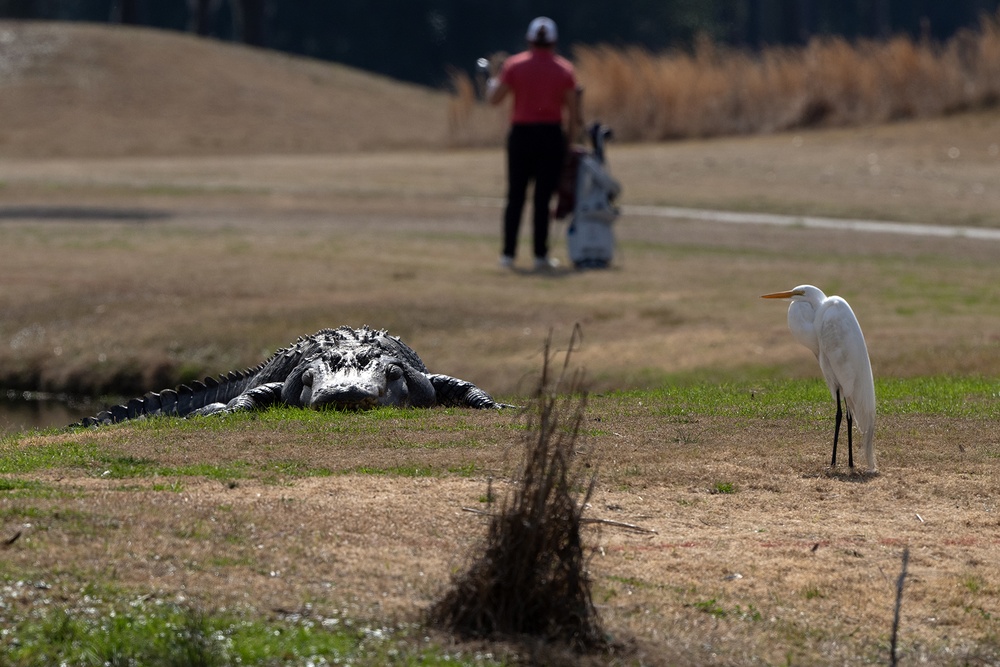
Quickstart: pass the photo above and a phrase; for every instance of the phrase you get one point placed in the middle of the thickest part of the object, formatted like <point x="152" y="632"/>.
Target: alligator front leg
<point x="453" y="392"/>
<point x="258" y="398"/>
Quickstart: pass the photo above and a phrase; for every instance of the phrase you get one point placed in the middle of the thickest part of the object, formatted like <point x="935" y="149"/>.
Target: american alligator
<point x="343" y="368"/>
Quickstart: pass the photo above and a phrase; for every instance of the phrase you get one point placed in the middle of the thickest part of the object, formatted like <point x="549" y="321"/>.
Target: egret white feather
<point x="828" y="327"/>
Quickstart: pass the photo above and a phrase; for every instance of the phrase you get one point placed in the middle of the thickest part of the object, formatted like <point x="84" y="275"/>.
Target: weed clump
<point x="529" y="578"/>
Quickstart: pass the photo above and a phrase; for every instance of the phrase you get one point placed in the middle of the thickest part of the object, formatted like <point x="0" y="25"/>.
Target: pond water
<point x="24" y="411"/>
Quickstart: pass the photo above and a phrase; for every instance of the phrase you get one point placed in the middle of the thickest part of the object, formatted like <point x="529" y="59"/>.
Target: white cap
<point x="542" y="30"/>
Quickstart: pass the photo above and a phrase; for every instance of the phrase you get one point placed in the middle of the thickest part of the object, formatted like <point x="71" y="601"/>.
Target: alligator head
<point x="356" y="378"/>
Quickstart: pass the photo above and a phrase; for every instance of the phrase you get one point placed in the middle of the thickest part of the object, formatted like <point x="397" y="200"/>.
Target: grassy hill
<point x="73" y="89"/>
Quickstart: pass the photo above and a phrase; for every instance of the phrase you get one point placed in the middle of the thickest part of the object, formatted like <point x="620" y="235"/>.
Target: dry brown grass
<point x="127" y="307"/>
<point x="529" y="576"/>
<point x="718" y="91"/>
<point x="77" y="89"/>
<point x="795" y="564"/>
<point x="286" y="246"/>
<point x="73" y="89"/>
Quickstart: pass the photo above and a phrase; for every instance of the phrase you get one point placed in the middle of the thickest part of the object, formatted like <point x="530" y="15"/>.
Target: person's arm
<point x="496" y="90"/>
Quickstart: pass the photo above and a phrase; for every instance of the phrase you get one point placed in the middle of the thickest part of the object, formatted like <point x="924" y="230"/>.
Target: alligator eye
<point x="393" y="372"/>
<point x="307" y="378"/>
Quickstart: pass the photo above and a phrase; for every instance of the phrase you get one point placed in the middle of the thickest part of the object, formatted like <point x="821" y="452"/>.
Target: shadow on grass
<point x="82" y="213"/>
<point x="845" y="475"/>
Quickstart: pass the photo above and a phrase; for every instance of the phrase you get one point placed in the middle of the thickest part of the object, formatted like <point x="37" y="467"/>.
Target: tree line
<point x="420" y="40"/>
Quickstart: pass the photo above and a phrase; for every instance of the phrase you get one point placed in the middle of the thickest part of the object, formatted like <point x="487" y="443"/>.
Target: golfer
<point x="545" y="92"/>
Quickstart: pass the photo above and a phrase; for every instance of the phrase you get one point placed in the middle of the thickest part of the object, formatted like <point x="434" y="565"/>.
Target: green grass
<point x="110" y="466"/>
<point x="723" y="487"/>
<point x="940" y="396"/>
<point x="812" y="593"/>
<point x="631" y="582"/>
<point x="18" y="461"/>
<point x="713" y="608"/>
<point x="19" y="485"/>
<point x="152" y="633"/>
<point x="466" y="470"/>
<point x="301" y="419"/>
<point x="973" y="583"/>
<point x="780" y="399"/>
<point x="680" y="400"/>
<point x="100" y="463"/>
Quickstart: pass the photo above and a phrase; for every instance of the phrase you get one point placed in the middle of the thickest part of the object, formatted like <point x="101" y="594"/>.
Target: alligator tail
<point x="179" y="402"/>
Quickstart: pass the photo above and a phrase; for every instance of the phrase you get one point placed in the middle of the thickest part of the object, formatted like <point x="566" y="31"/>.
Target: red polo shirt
<point x="539" y="80"/>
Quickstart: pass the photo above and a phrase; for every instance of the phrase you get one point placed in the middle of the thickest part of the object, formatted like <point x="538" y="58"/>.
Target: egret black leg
<point x="836" y="432"/>
<point x="850" y="445"/>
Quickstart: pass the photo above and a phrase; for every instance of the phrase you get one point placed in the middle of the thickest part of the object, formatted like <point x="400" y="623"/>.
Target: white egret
<point x="828" y="327"/>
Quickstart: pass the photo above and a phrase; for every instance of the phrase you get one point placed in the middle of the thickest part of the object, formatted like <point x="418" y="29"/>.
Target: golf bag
<point x="589" y="191"/>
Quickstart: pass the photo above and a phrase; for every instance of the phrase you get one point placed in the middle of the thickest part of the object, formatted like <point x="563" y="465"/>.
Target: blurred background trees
<point x="421" y="40"/>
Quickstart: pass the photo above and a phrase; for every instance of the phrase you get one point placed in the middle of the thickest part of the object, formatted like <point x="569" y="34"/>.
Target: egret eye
<point x="393" y="372"/>
<point x="307" y="378"/>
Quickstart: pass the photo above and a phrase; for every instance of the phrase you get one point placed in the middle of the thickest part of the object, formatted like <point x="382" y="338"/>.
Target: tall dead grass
<point x="714" y="90"/>
<point x="529" y="577"/>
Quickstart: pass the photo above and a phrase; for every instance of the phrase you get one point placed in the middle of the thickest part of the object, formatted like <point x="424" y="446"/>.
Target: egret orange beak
<point x="782" y="295"/>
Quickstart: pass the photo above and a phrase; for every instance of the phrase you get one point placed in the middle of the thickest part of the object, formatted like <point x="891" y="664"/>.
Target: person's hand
<point x="496" y="61"/>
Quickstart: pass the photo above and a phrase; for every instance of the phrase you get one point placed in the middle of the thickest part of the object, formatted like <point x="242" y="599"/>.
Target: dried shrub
<point x="714" y="90"/>
<point x="529" y="578"/>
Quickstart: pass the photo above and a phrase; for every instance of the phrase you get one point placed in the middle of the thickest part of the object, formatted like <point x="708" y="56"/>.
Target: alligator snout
<point x="346" y="397"/>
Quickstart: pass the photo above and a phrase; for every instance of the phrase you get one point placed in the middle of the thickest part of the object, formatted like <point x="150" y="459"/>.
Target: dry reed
<point x="714" y="90"/>
<point x="530" y="577"/>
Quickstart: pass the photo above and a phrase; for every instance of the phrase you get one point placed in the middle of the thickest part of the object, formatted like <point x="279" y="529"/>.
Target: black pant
<point x="534" y="152"/>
